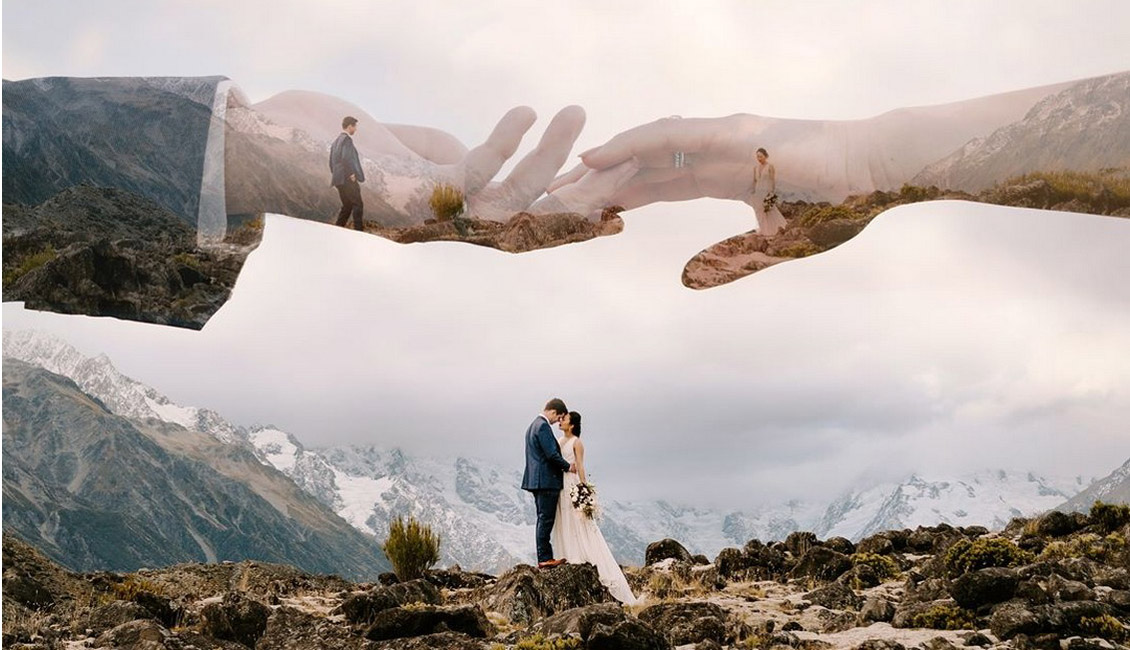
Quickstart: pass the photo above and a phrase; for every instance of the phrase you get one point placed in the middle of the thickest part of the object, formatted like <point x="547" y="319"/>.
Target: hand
<point x="353" y="177"/>
<point x="572" y="468"/>
<point x="406" y="163"/>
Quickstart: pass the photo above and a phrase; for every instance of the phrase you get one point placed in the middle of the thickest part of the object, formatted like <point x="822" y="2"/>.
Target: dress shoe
<point x="549" y="564"/>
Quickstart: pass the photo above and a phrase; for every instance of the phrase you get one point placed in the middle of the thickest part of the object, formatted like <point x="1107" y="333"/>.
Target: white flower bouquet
<point x="583" y="496"/>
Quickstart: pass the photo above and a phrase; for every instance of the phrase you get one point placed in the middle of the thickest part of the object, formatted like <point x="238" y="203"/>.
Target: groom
<point x="544" y="474"/>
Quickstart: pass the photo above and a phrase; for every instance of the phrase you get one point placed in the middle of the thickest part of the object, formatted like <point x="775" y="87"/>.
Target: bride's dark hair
<point x="575" y="420"/>
<point x="762" y="150"/>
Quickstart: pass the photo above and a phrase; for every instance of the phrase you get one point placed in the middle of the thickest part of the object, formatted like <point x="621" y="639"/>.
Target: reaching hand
<point x="717" y="160"/>
<point x="572" y="468"/>
<point x="406" y="163"/>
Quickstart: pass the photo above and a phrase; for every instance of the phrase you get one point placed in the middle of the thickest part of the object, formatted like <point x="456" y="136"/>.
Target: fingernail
<point x="585" y="153"/>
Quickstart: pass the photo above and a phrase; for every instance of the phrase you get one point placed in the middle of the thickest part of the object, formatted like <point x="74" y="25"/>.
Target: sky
<point x="956" y="337"/>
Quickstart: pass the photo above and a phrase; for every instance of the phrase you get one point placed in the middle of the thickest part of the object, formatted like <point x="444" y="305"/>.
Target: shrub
<point x="944" y="617"/>
<point x="1105" y="626"/>
<point x="884" y="567"/>
<point x="965" y="556"/>
<point x="820" y="214"/>
<point x="29" y="264"/>
<point x="1088" y="545"/>
<point x="446" y="202"/>
<point x="1110" y="517"/>
<point x="412" y="548"/>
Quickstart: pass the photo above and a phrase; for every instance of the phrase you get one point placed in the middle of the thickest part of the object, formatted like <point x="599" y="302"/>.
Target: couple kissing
<point x="567" y="524"/>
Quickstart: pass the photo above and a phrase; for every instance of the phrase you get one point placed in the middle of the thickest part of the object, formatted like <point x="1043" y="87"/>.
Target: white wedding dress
<point x="767" y="223"/>
<point x="578" y="539"/>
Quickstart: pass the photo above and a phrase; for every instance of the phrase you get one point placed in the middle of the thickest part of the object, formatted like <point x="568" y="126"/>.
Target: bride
<point x="769" y="218"/>
<point x="576" y="537"/>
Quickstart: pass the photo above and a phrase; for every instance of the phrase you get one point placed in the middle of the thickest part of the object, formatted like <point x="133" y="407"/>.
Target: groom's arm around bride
<point x="545" y="469"/>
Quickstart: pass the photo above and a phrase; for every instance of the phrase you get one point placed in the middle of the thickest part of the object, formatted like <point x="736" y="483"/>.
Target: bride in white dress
<point x="765" y="184"/>
<point x="576" y="537"/>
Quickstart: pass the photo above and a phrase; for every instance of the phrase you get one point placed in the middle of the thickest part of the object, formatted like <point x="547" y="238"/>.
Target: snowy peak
<point x="122" y="395"/>
<point x="1115" y="488"/>
<point x="987" y="498"/>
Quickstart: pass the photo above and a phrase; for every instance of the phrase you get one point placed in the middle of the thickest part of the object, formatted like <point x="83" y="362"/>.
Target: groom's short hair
<point x="557" y="406"/>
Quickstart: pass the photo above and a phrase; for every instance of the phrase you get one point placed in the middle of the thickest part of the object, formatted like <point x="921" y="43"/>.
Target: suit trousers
<point x="350" y="194"/>
<point x="545" y="502"/>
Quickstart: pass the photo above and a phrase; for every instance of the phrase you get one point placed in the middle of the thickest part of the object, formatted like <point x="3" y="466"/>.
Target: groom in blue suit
<point x="544" y="475"/>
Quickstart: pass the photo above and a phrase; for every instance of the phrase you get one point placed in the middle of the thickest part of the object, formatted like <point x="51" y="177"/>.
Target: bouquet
<point x="583" y="496"/>
<point x="770" y="201"/>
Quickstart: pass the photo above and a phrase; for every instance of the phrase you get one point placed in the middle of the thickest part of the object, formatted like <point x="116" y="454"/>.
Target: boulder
<point x="731" y="563"/>
<point x="822" y="564"/>
<point x="237" y="618"/>
<point x="1063" y="589"/>
<point x="115" y="613"/>
<point x="289" y="628"/>
<point x="401" y="622"/>
<point x="684" y="623"/>
<point x="457" y="579"/>
<point x="764" y="562"/>
<point x="525" y="594"/>
<point x="629" y="634"/>
<point x="877" y="610"/>
<point x="666" y="549"/>
<point x="879" y="544"/>
<point x="799" y="542"/>
<point x="984" y="587"/>
<point x="834" y="596"/>
<point x="361" y="608"/>
<point x="840" y="545"/>
<point x="580" y="621"/>
<point x="141" y="634"/>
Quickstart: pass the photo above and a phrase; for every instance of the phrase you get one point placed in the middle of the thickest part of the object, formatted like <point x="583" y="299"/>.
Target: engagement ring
<point x="680" y="159"/>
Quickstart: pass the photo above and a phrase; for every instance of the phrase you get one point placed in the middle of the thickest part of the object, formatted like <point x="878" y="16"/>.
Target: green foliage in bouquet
<point x="412" y="547"/>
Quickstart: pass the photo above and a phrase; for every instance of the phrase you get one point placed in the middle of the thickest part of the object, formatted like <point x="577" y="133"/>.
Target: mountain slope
<point x="99" y="491"/>
<point x="1114" y="488"/>
<point x="64" y="131"/>
<point x="1085" y="127"/>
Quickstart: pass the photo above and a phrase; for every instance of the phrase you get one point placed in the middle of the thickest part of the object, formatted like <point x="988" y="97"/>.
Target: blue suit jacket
<point x="545" y="467"/>
<point x="344" y="160"/>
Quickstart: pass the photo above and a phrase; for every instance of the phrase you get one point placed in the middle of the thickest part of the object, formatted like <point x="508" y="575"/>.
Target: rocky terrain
<point x="1059" y="581"/>
<point x="110" y="252"/>
<point x="817" y="227"/>
<point x="521" y="233"/>
<point x="96" y="490"/>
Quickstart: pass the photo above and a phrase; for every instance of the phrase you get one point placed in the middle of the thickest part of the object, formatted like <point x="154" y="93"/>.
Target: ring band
<point x="680" y="160"/>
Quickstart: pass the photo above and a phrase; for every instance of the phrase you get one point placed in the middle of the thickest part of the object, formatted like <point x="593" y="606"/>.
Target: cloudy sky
<point x="952" y="337"/>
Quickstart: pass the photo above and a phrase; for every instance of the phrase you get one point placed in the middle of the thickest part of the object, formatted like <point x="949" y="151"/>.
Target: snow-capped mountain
<point x="986" y="498"/>
<point x="1112" y="489"/>
<point x="487" y="522"/>
<point x="122" y="395"/>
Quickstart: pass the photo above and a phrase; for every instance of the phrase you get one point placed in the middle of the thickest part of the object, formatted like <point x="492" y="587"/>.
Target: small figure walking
<point x="345" y="166"/>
